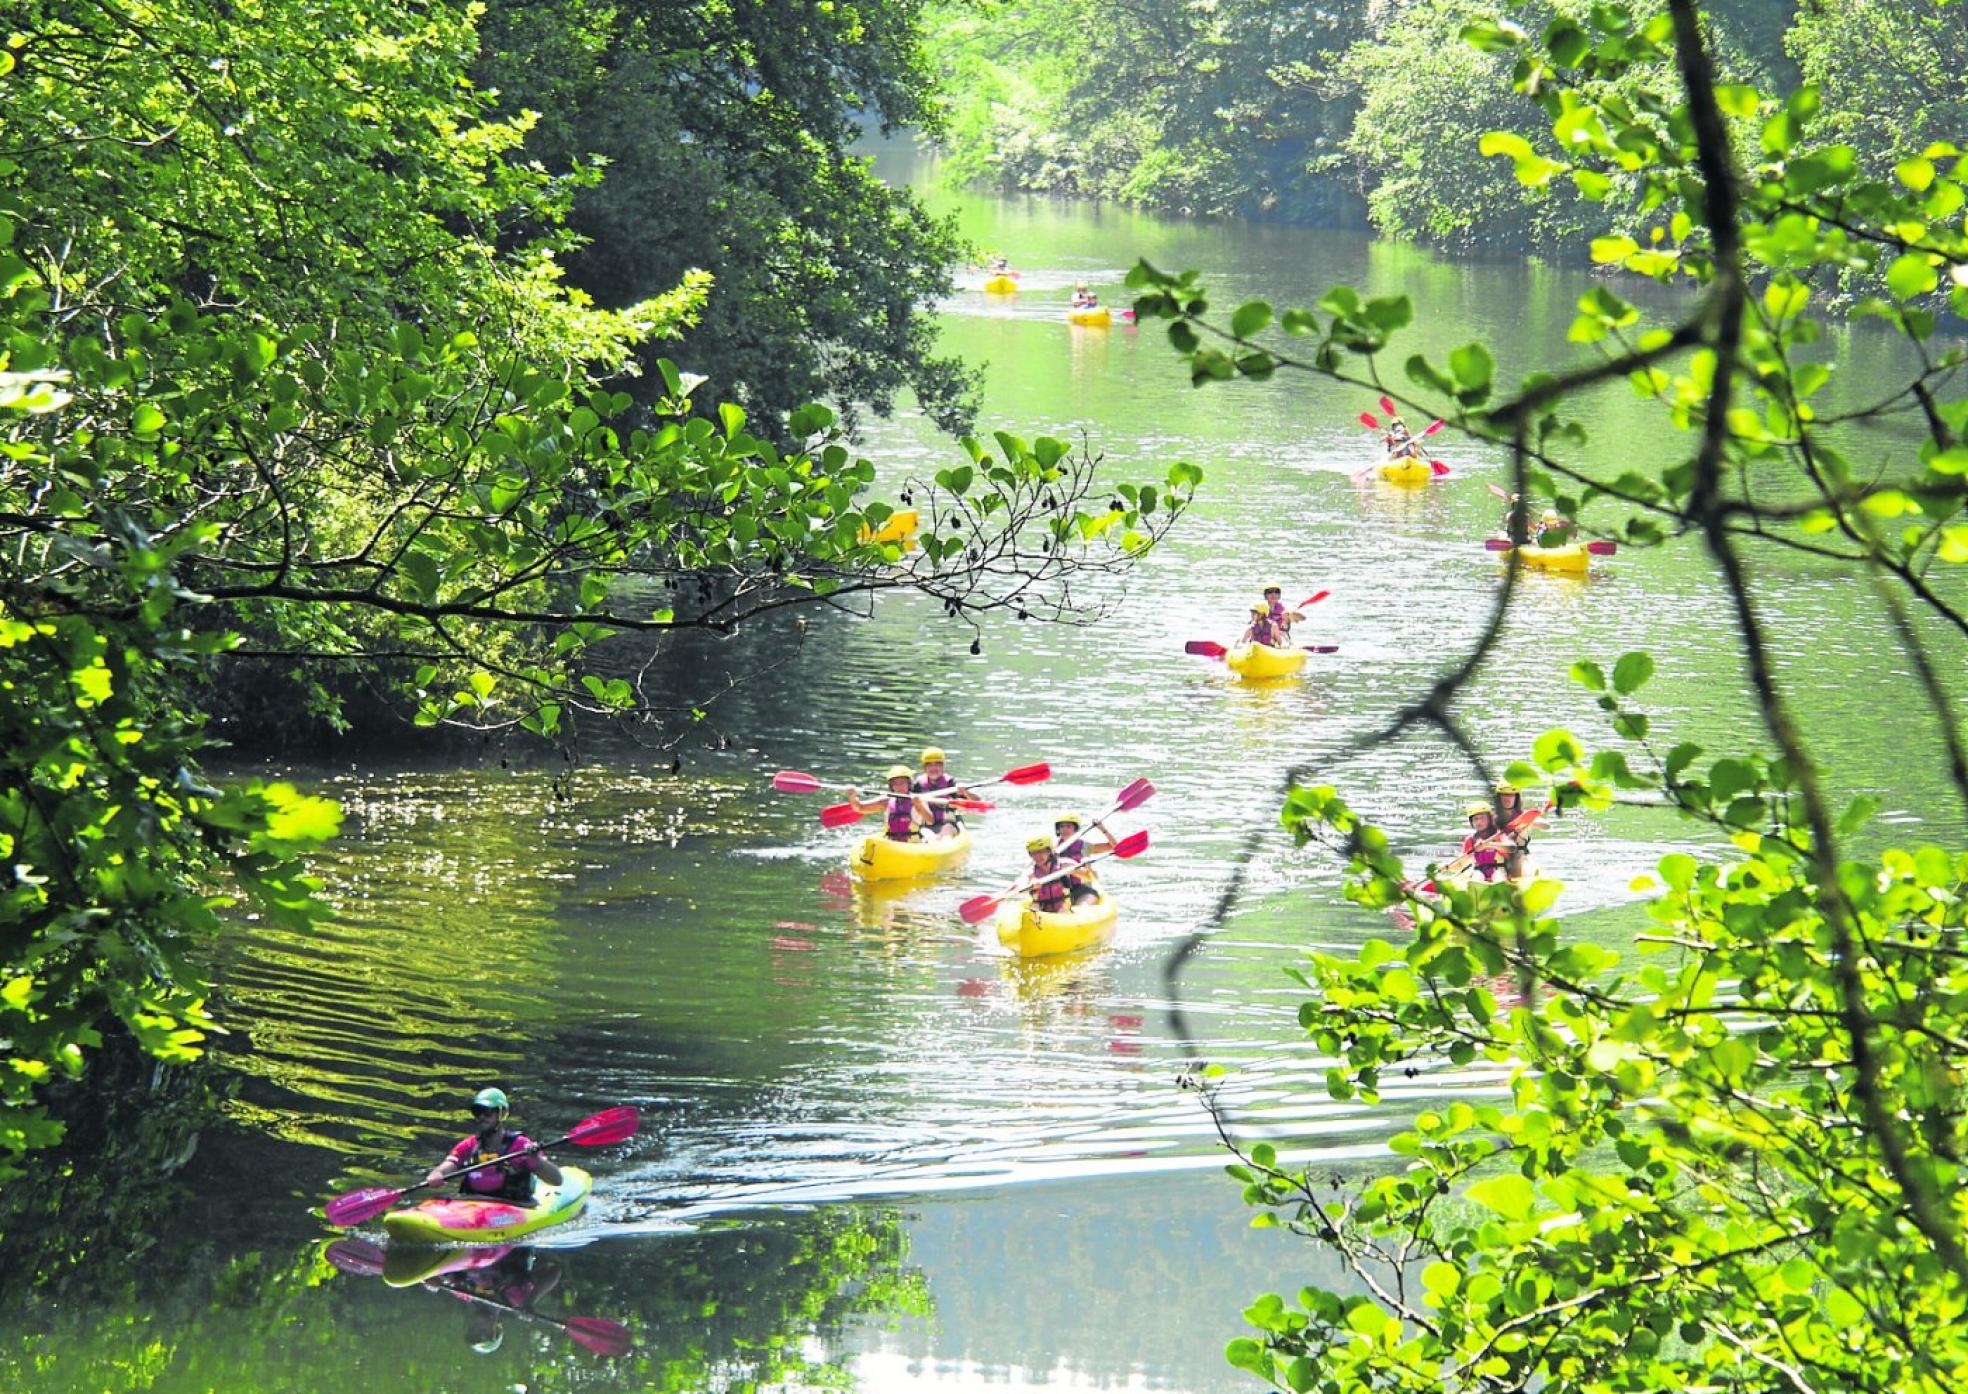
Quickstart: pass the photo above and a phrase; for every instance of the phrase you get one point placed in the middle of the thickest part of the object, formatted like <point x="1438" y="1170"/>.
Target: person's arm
<point x="542" y="1165"/>
<point x="447" y="1168"/>
<point x="861" y="805"/>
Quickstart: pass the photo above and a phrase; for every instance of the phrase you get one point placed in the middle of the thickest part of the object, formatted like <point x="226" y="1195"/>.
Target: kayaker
<point x="1000" y="266"/>
<point x="1074" y="847"/>
<point x="1400" y="442"/>
<point x="1555" y="530"/>
<point x="905" y="812"/>
<point x="1262" y="630"/>
<point x="1084" y="299"/>
<point x="1517" y="841"/>
<point x="1480" y="846"/>
<point x="944" y="821"/>
<point x="1052" y="897"/>
<point x="510" y="1180"/>
<point x="1274" y="605"/>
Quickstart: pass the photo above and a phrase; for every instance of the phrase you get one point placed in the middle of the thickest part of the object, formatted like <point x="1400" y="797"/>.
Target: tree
<point x="307" y="388"/>
<point x="725" y="131"/>
<point x="1737" y="1163"/>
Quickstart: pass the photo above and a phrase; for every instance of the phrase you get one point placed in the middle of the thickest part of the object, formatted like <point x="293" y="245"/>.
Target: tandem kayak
<point x="1001" y="285"/>
<point x="1095" y="317"/>
<point x="1470" y="881"/>
<point x="884" y="859"/>
<point x="1405" y="469"/>
<point x="900" y="527"/>
<point x="462" y="1220"/>
<point x="1033" y="933"/>
<point x="1573" y="556"/>
<point x="1264" y="661"/>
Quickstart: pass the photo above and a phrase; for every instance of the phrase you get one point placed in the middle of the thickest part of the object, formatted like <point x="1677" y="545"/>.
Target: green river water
<point x="877" y="1154"/>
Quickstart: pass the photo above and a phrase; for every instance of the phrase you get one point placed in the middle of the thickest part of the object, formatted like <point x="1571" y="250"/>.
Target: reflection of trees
<point x="723" y="1309"/>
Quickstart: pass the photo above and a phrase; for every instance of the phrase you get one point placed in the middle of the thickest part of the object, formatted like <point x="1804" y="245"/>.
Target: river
<point x="877" y="1154"/>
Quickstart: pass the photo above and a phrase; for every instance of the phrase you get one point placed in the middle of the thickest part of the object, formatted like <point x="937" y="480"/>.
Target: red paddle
<point x="979" y="907"/>
<point x="1313" y="599"/>
<point x="1597" y="547"/>
<point x="1133" y="794"/>
<point x="598" y="1334"/>
<point x="609" y="1126"/>
<point x="1370" y="421"/>
<point x="1209" y="648"/>
<point x="839" y="815"/>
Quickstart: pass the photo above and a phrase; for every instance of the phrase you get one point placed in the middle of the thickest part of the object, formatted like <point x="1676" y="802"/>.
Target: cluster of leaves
<point x="352" y="424"/>
<point x="1738" y="1163"/>
<point x="1214" y="108"/>
<point x="725" y="132"/>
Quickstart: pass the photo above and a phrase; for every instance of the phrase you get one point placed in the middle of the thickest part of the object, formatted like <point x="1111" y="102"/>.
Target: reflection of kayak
<point x="900" y="527"/>
<point x="407" y="1265"/>
<point x="1033" y="933"/>
<point x="1405" y="469"/>
<point x="1570" y="557"/>
<point x="883" y="859"/>
<point x="1001" y="285"/>
<point x="458" y="1220"/>
<point x="1096" y="316"/>
<point x="1264" y="661"/>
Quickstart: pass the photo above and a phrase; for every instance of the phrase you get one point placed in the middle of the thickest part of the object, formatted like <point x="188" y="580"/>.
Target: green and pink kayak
<point x="462" y="1220"/>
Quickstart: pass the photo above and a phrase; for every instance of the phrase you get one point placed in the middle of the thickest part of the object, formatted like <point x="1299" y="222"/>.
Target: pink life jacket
<point x="939" y="813"/>
<point x="1051" y="897"/>
<point x="901" y="817"/>
<point x="1487" y="859"/>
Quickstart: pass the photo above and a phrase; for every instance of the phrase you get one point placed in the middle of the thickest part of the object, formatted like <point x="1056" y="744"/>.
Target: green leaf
<point x="1510" y="1195"/>
<point x="1911" y="275"/>
<point x="1472" y="365"/>
<point x="1250" y="318"/>
<point x="1630" y="674"/>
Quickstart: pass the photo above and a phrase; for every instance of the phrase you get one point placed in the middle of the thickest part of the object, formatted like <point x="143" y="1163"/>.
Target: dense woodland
<point x="1343" y="114"/>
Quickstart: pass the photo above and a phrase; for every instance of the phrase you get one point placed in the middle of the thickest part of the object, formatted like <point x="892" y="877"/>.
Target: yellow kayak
<point x="1468" y="880"/>
<point x="1570" y="557"/>
<point x="1033" y="933"/>
<point x="883" y="859"/>
<point x="1098" y="317"/>
<point x="1264" y="661"/>
<point x="900" y="527"/>
<point x="1405" y="469"/>
<point x="1001" y="285"/>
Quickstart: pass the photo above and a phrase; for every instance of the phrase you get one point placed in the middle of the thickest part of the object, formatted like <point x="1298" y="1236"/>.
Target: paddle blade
<point x="1133" y="796"/>
<point x="1387" y="405"/>
<point x="1322" y="648"/>
<point x="978" y="908"/>
<point x="1205" y="648"/>
<point x="356" y="1257"/>
<point x="1602" y="549"/>
<point x="839" y="815"/>
<point x="795" y="782"/>
<point x="1370" y="421"/>
<point x="610" y="1125"/>
<point x="1133" y="845"/>
<point x="357" y="1206"/>
<point x="600" y="1335"/>
<point x="1503" y="494"/>
<point x="1029" y="774"/>
<point x="1439" y="468"/>
<point x="1313" y="599"/>
<point x="973" y="805"/>
<point x="1497" y="544"/>
<point x="1433" y="429"/>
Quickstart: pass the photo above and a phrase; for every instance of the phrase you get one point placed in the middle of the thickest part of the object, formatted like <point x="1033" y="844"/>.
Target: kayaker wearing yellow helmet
<point x="1480" y="846"/>
<point x="1263" y="630"/>
<point x="1066" y="833"/>
<point x="510" y="1180"/>
<point x="903" y="811"/>
<point x="1053" y="896"/>
<point x="943" y="820"/>
<point x="1084" y="299"/>
<point x="1510" y="806"/>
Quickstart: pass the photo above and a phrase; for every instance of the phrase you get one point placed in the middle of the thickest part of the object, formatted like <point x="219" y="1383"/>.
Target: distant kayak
<point x="900" y="527"/>
<point x="1405" y="469"/>
<point x="462" y="1220"/>
<point x="1093" y="317"/>
<point x="1001" y="285"/>
<point x="1572" y="557"/>
<point x="884" y="859"/>
<point x="1264" y="661"/>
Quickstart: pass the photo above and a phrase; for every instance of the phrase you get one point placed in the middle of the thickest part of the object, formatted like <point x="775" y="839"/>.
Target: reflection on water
<point x="855" y="1104"/>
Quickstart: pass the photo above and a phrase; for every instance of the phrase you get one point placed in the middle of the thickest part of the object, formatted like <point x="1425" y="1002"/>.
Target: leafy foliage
<point x="724" y="129"/>
<point x="1735" y="1163"/>
<point x="287" y="371"/>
